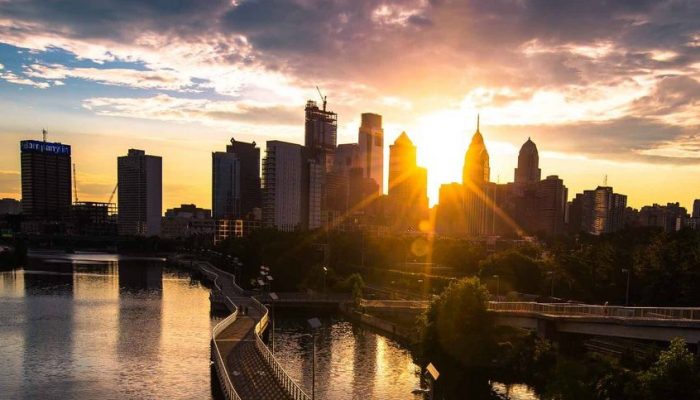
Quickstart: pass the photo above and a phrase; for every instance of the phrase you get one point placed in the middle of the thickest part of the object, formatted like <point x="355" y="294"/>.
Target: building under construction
<point x="90" y="218"/>
<point x="321" y="133"/>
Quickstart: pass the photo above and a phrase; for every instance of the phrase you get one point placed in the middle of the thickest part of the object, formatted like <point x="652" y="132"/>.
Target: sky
<point x="604" y="88"/>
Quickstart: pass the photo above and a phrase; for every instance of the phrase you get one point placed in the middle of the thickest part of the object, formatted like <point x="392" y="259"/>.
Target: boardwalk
<point x="251" y="370"/>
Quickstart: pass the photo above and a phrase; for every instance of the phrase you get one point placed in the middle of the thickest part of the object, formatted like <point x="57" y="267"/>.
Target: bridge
<point x="245" y="366"/>
<point x="548" y="319"/>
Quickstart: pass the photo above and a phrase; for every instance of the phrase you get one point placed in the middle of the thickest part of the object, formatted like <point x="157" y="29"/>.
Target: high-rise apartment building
<point x="671" y="217"/>
<point x="291" y="187"/>
<point x="46" y="180"/>
<point x="371" y="149"/>
<point x="597" y="211"/>
<point x="236" y="180"/>
<point x="140" y="193"/>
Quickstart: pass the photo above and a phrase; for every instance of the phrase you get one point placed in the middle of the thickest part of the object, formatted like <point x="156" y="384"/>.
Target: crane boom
<point x="111" y="196"/>
<point x="323" y="98"/>
<point x="75" y="184"/>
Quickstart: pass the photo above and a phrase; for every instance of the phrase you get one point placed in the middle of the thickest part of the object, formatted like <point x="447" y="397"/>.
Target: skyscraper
<point x="236" y="180"/>
<point x="407" y="185"/>
<point x="528" y="169"/>
<point x="475" y="175"/>
<point x="291" y="187"/>
<point x="597" y="211"/>
<point x="696" y="208"/>
<point x="371" y="147"/>
<point x="320" y="134"/>
<point x="476" y="169"/>
<point x="46" y="180"/>
<point x="450" y="211"/>
<point x="140" y="193"/>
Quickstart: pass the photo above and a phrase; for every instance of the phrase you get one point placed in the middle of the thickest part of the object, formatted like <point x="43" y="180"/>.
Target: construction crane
<point x="111" y="196"/>
<point x="323" y="98"/>
<point x="75" y="184"/>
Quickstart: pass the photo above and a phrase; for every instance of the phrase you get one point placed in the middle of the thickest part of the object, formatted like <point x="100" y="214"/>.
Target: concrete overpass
<point x="548" y="319"/>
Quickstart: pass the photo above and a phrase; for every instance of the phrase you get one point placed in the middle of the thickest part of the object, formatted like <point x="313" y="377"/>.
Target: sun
<point x="442" y="139"/>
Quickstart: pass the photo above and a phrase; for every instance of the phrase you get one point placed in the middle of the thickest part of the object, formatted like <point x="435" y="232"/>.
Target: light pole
<point x="498" y="287"/>
<point x="314" y="324"/>
<point x="627" y="291"/>
<point x="274" y="298"/>
<point x="325" y="272"/>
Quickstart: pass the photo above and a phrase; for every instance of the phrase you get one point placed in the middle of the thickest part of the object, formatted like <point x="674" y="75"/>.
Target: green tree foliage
<point x="457" y="324"/>
<point x="517" y="271"/>
<point x="673" y="376"/>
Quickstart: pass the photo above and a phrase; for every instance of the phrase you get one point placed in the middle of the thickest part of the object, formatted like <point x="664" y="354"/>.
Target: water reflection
<point x="352" y="362"/>
<point x="97" y="326"/>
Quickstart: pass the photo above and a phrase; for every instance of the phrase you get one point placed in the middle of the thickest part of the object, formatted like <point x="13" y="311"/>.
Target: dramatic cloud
<point x="619" y="75"/>
<point x="164" y="107"/>
<point x="163" y="79"/>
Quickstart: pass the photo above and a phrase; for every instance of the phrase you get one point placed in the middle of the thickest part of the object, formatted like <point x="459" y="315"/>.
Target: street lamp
<point x="551" y="291"/>
<point x="274" y="298"/>
<point x="498" y="287"/>
<point x="627" y="291"/>
<point x="314" y="324"/>
<point x="325" y="272"/>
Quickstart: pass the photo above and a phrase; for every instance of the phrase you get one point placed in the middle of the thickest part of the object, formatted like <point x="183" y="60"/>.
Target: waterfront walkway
<point x="246" y="368"/>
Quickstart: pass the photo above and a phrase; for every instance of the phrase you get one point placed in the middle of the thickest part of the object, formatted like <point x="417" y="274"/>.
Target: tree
<point x="673" y="376"/>
<point x="457" y="324"/>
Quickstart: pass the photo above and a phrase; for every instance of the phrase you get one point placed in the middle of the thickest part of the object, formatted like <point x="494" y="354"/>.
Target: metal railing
<point x="558" y="309"/>
<point x="394" y="303"/>
<point x="220" y="365"/>
<point x="289" y="385"/>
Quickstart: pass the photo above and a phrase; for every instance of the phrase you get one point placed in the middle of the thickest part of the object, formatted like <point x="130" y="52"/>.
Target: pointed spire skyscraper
<point x="476" y="161"/>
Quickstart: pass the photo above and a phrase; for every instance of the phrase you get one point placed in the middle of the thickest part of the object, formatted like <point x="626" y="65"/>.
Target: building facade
<point x="321" y="134"/>
<point x="407" y="185"/>
<point x="188" y="221"/>
<point x="46" y="180"/>
<point x="236" y="187"/>
<point x="597" y="211"/>
<point x="371" y="149"/>
<point x="476" y="173"/>
<point x="140" y="193"/>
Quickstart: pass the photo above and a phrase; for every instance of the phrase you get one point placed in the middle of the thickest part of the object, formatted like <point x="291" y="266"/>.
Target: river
<point x="86" y="326"/>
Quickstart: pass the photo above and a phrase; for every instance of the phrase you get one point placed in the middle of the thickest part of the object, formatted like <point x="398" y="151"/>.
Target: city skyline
<point x="616" y="100"/>
<point x="508" y="157"/>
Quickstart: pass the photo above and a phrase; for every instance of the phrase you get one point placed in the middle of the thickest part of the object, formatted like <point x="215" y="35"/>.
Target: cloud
<point x="617" y="75"/>
<point x="161" y="79"/>
<point x="9" y="181"/>
<point x="18" y="80"/>
<point x="167" y="108"/>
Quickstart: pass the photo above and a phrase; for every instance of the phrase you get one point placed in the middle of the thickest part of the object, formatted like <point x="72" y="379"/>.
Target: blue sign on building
<point x="35" y="146"/>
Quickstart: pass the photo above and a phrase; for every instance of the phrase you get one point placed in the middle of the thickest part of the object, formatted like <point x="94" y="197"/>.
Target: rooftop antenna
<point x="75" y="184"/>
<point x="323" y="98"/>
<point x="605" y="180"/>
<point x="477" y="122"/>
<point x="44" y="133"/>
